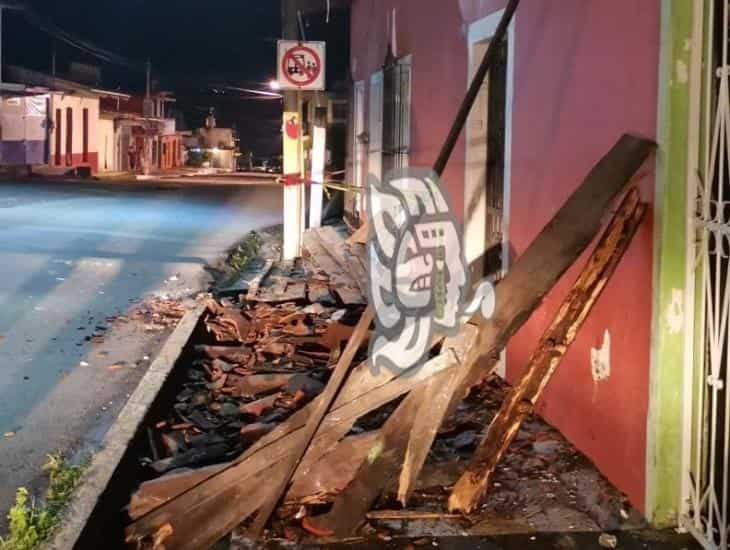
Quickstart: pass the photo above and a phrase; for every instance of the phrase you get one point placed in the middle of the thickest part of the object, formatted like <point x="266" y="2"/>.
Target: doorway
<point x="488" y="154"/>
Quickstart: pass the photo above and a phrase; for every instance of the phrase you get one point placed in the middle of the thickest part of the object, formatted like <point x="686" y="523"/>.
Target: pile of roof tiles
<point x="270" y="353"/>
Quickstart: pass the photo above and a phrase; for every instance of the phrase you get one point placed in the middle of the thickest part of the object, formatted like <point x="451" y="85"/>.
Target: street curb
<point x="120" y="435"/>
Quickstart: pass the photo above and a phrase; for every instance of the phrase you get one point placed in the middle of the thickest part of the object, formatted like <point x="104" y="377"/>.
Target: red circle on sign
<point x="311" y="73"/>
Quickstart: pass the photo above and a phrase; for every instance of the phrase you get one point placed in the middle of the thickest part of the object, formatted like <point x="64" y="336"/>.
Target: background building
<point x="24" y="130"/>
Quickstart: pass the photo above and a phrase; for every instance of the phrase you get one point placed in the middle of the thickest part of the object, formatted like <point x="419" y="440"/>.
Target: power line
<point x="53" y="30"/>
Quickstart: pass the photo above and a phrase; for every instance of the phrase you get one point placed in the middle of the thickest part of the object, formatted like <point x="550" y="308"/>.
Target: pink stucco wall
<point x="585" y="72"/>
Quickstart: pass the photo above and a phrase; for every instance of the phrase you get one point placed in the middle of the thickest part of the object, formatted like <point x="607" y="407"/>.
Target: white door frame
<point x="358" y="149"/>
<point x="475" y="180"/>
<point x="475" y="229"/>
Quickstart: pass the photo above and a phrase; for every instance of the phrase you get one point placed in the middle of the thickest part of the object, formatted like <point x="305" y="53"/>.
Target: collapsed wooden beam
<point x="519" y="403"/>
<point x="380" y="467"/>
<point x="533" y="275"/>
<point x="313" y="422"/>
<point x="234" y="488"/>
<point x="203" y="498"/>
<point x="431" y="414"/>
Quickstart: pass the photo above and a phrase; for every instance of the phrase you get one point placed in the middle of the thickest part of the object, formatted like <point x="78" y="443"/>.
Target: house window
<point x="58" y="130"/>
<point x="85" y="136"/>
<point x="396" y="113"/>
<point x="69" y="136"/>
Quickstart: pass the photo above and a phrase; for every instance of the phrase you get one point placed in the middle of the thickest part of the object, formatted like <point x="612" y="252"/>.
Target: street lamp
<point x="274" y="85"/>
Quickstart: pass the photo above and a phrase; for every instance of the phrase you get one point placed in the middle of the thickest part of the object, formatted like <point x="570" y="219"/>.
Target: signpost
<point x="301" y="65"/>
<point x="300" y="68"/>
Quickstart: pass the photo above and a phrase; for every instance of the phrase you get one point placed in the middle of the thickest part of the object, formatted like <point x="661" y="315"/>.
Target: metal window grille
<point x="707" y="484"/>
<point x="396" y="114"/>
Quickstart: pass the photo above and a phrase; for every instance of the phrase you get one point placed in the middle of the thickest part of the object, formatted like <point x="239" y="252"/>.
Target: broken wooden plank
<point x="332" y="471"/>
<point x="519" y="403"/>
<point x="323" y="479"/>
<point x="380" y="467"/>
<point x="338" y="275"/>
<point x="315" y="419"/>
<point x="334" y="245"/>
<point x="363" y="392"/>
<point x="521" y="291"/>
<point x="350" y="296"/>
<point x="410" y="515"/>
<point x="360" y="236"/>
<point x="154" y="493"/>
<point x="534" y="273"/>
<point x="195" y="532"/>
<point x="319" y="292"/>
<point x="253" y="286"/>
<point x="431" y="415"/>
<point x="557" y="246"/>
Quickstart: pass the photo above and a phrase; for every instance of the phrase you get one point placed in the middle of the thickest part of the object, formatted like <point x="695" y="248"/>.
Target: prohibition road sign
<point x="301" y="65"/>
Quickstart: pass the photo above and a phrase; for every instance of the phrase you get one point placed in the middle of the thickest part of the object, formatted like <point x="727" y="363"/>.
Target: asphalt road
<point x="72" y="254"/>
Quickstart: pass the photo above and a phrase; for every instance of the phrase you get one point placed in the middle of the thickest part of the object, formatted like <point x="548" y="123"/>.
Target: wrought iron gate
<point x="706" y="489"/>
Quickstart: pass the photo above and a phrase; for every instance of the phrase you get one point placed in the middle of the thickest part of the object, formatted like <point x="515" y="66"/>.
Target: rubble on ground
<point x="269" y="358"/>
<point x="282" y="424"/>
<point x="156" y="313"/>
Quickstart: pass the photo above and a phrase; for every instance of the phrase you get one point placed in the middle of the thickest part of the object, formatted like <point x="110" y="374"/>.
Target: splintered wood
<point x="520" y="402"/>
<point x="276" y="423"/>
<point x="554" y="250"/>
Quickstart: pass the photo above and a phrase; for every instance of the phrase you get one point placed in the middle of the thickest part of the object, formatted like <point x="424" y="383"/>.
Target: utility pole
<point x="293" y="161"/>
<point x="147" y="112"/>
<point x="1" y="46"/>
<point x="149" y="75"/>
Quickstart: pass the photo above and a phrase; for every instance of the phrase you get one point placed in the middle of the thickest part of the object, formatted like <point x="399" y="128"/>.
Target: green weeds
<point x="31" y="523"/>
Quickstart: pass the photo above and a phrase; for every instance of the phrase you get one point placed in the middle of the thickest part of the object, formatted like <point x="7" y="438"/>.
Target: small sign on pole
<point x="301" y="65"/>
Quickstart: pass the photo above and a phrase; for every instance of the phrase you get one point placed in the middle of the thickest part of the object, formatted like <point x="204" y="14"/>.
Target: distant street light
<point x="274" y="85"/>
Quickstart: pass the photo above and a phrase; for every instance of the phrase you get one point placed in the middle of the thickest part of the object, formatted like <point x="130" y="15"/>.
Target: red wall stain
<point x="585" y="73"/>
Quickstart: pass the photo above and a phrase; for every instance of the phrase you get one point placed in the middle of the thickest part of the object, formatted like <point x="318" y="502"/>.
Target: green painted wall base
<point x="664" y="429"/>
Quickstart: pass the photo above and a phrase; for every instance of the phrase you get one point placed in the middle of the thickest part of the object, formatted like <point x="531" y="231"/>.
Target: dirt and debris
<point x="268" y="359"/>
<point x="271" y="352"/>
<point x="543" y="484"/>
<point x="298" y="434"/>
<point x="156" y="313"/>
<point x="271" y="349"/>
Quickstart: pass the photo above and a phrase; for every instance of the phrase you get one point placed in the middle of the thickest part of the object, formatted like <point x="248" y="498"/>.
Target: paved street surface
<point x="73" y="254"/>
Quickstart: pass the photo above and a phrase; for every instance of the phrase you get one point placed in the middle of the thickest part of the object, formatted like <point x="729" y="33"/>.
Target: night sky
<point x="195" y="48"/>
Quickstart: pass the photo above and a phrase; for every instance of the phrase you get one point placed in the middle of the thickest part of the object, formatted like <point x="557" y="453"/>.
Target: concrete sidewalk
<point x="630" y="540"/>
